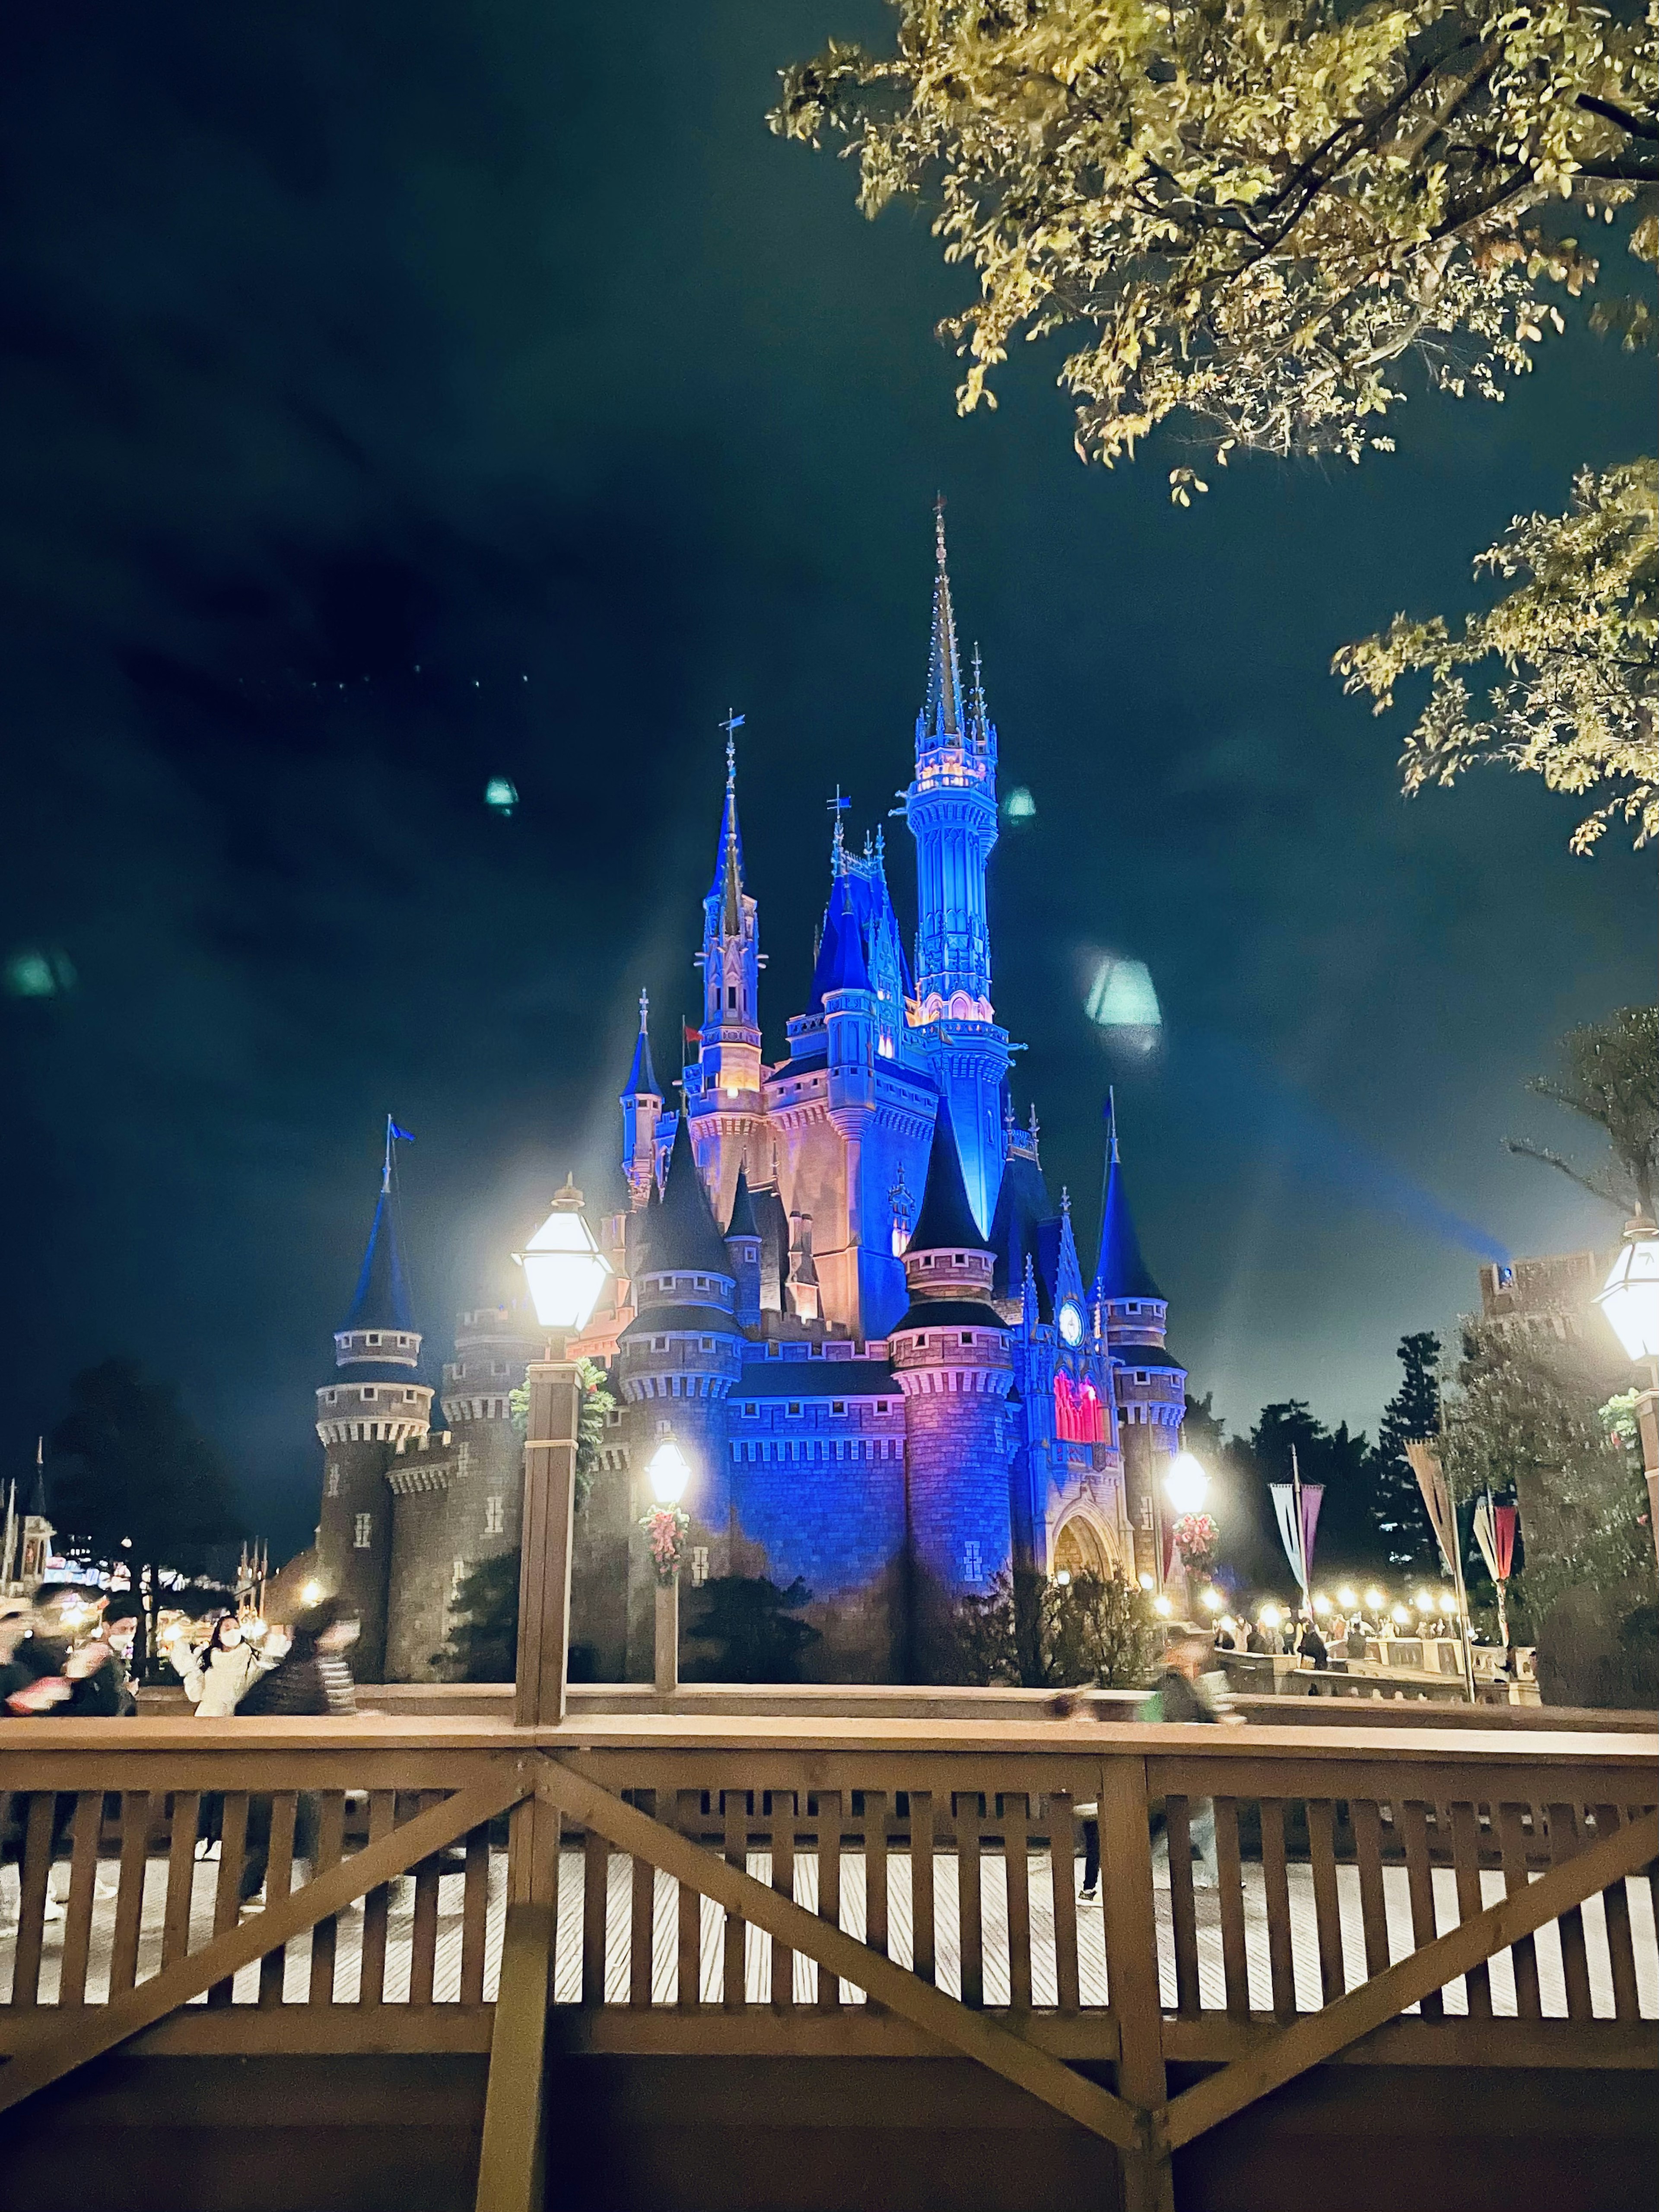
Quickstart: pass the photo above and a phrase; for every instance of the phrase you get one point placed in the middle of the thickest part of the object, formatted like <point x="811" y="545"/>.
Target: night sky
<point x="400" y="396"/>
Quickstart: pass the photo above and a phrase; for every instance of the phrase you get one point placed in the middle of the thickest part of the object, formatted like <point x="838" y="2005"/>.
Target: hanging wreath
<point x="1196" y="1535"/>
<point x="666" y="1528"/>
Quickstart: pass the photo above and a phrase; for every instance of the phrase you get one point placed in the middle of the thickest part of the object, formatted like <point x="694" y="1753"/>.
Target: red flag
<point x="1506" y="1518"/>
<point x="693" y="1038"/>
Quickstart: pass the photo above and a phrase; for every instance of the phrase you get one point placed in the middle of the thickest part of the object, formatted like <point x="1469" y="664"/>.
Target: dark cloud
<point x="398" y="398"/>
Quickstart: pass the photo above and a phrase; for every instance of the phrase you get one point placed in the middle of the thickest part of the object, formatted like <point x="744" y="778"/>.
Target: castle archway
<point x="1080" y="1547"/>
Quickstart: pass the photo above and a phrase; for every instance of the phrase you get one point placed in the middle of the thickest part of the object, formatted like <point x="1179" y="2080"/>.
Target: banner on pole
<point x="1436" y="1498"/>
<point x="1297" y="1536"/>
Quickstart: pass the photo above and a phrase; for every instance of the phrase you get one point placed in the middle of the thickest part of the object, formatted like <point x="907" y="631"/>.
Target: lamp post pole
<point x="550" y="1504"/>
<point x="1647" y="1427"/>
<point x="668" y="1635"/>
<point x="1630" y="1299"/>
<point x="665" y="1525"/>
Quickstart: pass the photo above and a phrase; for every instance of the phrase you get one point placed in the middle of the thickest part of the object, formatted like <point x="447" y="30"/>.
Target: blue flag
<point x="400" y="1136"/>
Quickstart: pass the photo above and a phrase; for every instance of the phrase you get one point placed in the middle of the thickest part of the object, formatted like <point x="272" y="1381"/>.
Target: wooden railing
<point x="704" y="1884"/>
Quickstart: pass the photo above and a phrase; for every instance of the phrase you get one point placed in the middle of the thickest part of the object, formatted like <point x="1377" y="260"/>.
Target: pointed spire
<point x="381" y="1299"/>
<point x="841" y="964"/>
<point x="946" y="1221"/>
<point x="641" y="1076"/>
<point x="727" y="886"/>
<point x="743" y="1222"/>
<point x="683" y="1232"/>
<point x="37" y="1495"/>
<point x="980" y="731"/>
<point x="941" y="716"/>
<point x="1119" y="1271"/>
<point x="838" y="807"/>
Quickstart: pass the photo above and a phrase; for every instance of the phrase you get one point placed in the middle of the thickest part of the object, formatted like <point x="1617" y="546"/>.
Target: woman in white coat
<point x="220" y="1675"/>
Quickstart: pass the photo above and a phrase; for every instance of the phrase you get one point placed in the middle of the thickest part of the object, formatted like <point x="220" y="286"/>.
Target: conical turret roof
<point x="381" y="1299"/>
<point x="641" y="1076"/>
<point x="840" y="965"/>
<point x="941" y="717"/>
<point x="946" y="1221"/>
<point x="683" y="1232"/>
<point x="743" y="1222"/>
<point x="1119" y="1271"/>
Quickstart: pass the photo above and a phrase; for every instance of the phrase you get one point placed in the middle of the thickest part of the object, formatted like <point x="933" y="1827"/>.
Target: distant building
<point x="842" y="1285"/>
<point x="1551" y="1295"/>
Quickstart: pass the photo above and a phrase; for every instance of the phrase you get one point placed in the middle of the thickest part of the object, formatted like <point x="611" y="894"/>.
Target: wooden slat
<point x="734" y="1993"/>
<point x="1063" y="1868"/>
<point x="129" y="1891"/>
<point x="1368" y="1854"/>
<point x="1466" y="1860"/>
<point x="1318" y="2036"/>
<point x="922" y="1885"/>
<point x="1621" y="1952"/>
<point x="1234" y="1967"/>
<point x="475" y="1915"/>
<point x="830" y="1816"/>
<point x="94" y="2029"/>
<point x="1328" y="1907"/>
<point x="423" y="1923"/>
<point x="1017" y="1874"/>
<point x="970" y="1940"/>
<point x="875" y="1870"/>
<point x="596" y="1898"/>
<point x="689" y="1970"/>
<point x="88" y="1820"/>
<point x="32" y="1900"/>
<point x="939" y="2016"/>
<point x="1575" y="1961"/>
<point x="1524" y="1955"/>
<point x="641" y="1915"/>
<point x="1126" y="1892"/>
<point x="1412" y="1816"/>
<point x="377" y="1906"/>
<point x="228" y="1891"/>
<point x="511" y="2159"/>
<point x="324" y="1935"/>
<point x="279" y="1880"/>
<point x="1183" y="1913"/>
<point x="783" y="1881"/>
<point x="1276" y="1890"/>
<point x="181" y="1876"/>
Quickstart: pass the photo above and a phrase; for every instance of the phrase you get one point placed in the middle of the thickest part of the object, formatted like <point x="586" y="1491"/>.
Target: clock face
<point x="1071" y="1322"/>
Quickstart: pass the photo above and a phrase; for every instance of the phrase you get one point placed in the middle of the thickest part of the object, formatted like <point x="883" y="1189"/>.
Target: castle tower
<point x="724" y="1097"/>
<point x="374" y="1400"/>
<point x="951" y="809"/>
<point x="742" y="1243"/>
<point x="842" y="988"/>
<point x="1148" y="1384"/>
<point x="641" y="1106"/>
<point x="949" y="1356"/>
<point x="677" y="1360"/>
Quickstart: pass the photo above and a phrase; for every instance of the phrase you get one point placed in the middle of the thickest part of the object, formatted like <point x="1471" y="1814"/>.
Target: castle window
<point x="373" y="1336"/>
<point x="881" y="1405"/>
<point x="660" y="1343"/>
<point x="368" y="1392"/>
<point x="750" y="1412"/>
<point x="967" y="1336"/>
<point x="701" y="1282"/>
<point x="699" y="1565"/>
<point x="794" y="1412"/>
<point x="495" y="1515"/>
<point x="498" y="1367"/>
<point x="332" y="1482"/>
<point x="408" y="1397"/>
<point x="839" y="1406"/>
<point x="363" y="1530"/>
<point x="705" y="1344"/>
<point x="973" y="1568"/>
<point x="731" y="997"/>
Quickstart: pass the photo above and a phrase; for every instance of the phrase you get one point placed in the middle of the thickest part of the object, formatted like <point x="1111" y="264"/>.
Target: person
<point x="61" y="1669"/>
<point x="121" y="1634"/>
<point x="1310" y="1646"/>
<point x="1356" y="1645"/>
<point x="311" y="1677"/>
<point x="1256" y="1640"/>
<point x="1224" y="1638"/>
<point x="218" y="1676"/>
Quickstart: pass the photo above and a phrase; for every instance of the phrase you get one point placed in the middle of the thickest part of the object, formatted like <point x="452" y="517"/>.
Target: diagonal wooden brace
<point x="1321" y="2034"/>
<point x="98" y="2028"/>
<point x="1021" y="2062"/>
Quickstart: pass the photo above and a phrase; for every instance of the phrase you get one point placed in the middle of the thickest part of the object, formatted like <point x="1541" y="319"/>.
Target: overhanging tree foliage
<point x="1609" y="1073"/>
<point x="1249" y="213"/>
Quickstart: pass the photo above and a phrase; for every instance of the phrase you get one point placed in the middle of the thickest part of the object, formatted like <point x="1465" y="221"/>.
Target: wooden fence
<point x="704" y="1884"/>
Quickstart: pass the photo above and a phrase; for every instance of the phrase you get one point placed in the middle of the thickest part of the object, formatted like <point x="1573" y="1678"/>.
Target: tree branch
<point x="1523" y="1151"/>
<point x="1622" y="116"/>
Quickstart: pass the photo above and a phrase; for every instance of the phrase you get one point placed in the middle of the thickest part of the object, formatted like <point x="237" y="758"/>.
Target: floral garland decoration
<point x="1196" y="1535"/>
<point x="666" y="1528"/>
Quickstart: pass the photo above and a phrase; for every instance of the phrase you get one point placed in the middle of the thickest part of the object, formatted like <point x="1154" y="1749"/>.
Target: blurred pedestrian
<point x="312" y="1678"/>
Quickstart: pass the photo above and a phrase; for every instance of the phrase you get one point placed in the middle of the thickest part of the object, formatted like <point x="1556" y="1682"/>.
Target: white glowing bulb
<point x="563" y="1267"/>
<point x="1210" y="1601"/>
<point x="1161" y="1607"/>
<point x="1147" y="1582"/>
<point x="1187" y="1485"/>
<point x="1424" y="1602"/>
<point x="1376" y="1599"/>
<point x="1063" y="1577"/>
<point x="1270" y="1616"/>
<point x="310" y="1593"/>
<point x="1347" y="1598"/>
<point x="1398" y="1613"/>
<point x="669" y="1473"/>
<point x="1321" y="1604"/>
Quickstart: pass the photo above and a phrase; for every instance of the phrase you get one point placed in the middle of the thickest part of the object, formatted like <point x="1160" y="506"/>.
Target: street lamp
<point x="564" y="1271"/>
<point x="1630" y="1299"/>
<point x="1187" y="1485"/>
<point x="665" y="1525"/>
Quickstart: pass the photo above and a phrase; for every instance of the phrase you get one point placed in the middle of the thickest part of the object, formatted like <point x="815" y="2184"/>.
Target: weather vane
<point x="731" y="724"/>
<point x="838" y="806"/>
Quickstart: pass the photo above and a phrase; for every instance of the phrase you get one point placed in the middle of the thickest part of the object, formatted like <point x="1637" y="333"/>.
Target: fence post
<point x="1132" y="1982"/>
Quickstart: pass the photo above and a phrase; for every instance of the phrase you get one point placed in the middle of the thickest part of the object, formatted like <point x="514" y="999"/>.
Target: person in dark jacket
<point x="312" y="1678"/>
<point x="55" y="1669"/>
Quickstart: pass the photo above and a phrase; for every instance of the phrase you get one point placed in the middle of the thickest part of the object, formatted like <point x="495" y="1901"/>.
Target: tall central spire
<point x="941" y="717"/>
<point x="727" y="886"/>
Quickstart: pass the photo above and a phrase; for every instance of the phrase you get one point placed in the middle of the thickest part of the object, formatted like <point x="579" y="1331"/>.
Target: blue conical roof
<point x="1022" y="1206"/>
<point x="381" y="1299"/>
<point x="743" y="1222"/>
<point x="946" y="1221"/>
<point x="683" y="1235"/>
<point x="641" y="1076"/>
<point x="841" y="964"/>
<point x="1121" y="1272"/>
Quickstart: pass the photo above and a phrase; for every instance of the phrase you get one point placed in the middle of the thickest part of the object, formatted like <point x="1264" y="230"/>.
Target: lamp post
<point x="665" y="1525"/>
<point x="564" y="1271"/>
<point x="1186" y="1487"/>
<point x="1630" y="1299"/>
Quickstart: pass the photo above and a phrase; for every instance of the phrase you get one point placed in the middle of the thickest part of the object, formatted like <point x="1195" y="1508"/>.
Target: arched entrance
<point x="1080" y="1548"/>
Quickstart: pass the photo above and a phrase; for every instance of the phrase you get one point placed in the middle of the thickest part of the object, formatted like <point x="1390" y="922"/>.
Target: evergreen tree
<point x="483" y="1641"/>
<point x="1347" y="1539"/>
<point x="1396" y="1504"/>
<point x="747" y="1622"/>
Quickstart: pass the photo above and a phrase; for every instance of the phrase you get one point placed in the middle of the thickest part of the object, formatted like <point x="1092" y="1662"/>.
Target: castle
<point x="841" y="1283"/>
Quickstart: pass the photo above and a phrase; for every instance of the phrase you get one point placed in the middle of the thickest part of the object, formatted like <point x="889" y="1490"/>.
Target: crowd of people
<point x="67" y="1654"/>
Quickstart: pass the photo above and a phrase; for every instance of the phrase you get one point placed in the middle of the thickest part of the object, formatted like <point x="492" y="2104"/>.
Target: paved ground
<point x="1091" y="1956"/>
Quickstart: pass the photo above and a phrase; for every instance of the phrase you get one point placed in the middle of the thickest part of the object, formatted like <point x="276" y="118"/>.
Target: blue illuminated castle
<point x="842" y="1286"/>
